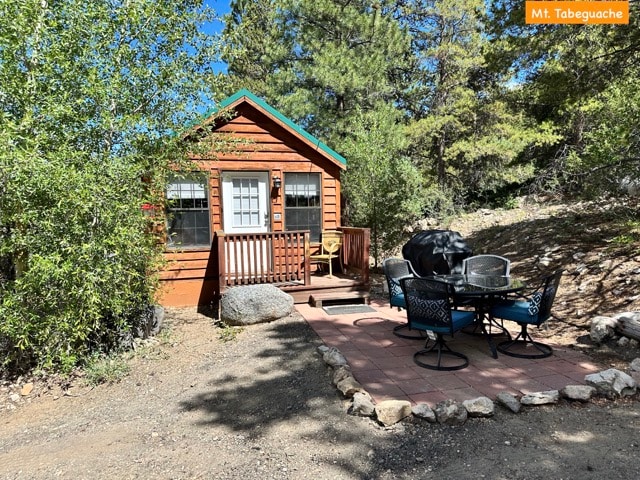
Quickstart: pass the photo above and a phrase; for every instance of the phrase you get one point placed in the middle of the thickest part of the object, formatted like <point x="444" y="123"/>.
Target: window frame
<point x="287" y="180"/>
<point x="182" y="178"/>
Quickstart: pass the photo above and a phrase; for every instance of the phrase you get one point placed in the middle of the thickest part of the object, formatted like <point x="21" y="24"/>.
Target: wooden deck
<point x="200" y="277"/>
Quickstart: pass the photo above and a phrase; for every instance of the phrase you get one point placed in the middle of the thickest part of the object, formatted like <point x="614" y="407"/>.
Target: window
<point x="302" y="207"/>
<point x="188" y="211"/>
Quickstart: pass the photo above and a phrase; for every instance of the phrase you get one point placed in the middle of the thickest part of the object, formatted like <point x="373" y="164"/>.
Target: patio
<point x="383" y="363"/>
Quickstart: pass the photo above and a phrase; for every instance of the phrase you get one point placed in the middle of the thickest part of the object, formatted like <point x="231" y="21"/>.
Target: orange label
<point x="577" y="12"/>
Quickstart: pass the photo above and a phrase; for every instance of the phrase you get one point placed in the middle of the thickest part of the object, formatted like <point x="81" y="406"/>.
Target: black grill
<point x="436" y="252"/>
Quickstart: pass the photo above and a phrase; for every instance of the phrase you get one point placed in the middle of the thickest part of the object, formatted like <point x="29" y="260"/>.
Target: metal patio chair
<point x="535" y="309"/>
<point x="486" y="265"/>
<point x="429" y="309"/>
<point x="394" y="270"/>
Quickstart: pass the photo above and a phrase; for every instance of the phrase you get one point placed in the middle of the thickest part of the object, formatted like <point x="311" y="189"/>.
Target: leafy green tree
<point x="339" y="69"/>
<point x="467" y="131"/>
<point x="91" y="97"/>
<point x="257" y="48"/>
<point x="317" y="62"/>
<point x="574" y="77"/>
<point x="383" y="189"/>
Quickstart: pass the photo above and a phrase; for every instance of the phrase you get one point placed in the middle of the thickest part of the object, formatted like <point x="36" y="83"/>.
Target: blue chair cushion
<point x="398" y="301"/>
<point x="517" y="311"/>
<point x="460" y="319"/>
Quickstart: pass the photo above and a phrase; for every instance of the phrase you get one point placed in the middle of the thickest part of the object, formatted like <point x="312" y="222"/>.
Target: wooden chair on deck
<point x="330" y="245"/>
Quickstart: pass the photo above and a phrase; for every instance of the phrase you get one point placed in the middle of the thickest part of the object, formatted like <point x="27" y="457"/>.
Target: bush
<point x="84" y="265"/>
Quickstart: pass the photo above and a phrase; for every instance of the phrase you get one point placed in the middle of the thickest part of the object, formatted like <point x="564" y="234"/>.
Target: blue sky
<point x="221" y="8"/>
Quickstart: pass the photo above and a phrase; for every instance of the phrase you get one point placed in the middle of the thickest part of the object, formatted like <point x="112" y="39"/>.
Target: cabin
<point x="255" y="212"/>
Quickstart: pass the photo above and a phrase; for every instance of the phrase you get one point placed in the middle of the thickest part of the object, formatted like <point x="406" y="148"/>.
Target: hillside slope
<point x="597" y="244"/>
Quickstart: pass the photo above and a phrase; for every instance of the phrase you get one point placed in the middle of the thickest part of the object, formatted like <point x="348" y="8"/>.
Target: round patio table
<point x="483" y="291"/>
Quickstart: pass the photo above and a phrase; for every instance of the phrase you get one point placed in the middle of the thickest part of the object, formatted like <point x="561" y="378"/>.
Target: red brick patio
<point x="383" y="363"/>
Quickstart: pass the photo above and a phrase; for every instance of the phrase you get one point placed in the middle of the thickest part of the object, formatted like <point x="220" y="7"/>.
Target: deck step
<point x="318" y="299"/>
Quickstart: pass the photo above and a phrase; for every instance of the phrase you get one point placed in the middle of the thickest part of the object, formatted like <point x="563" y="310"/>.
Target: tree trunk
<point x="629" y="327"/>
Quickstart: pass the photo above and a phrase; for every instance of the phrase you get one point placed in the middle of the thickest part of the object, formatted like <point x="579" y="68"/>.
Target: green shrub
<point x="105" y="369"/>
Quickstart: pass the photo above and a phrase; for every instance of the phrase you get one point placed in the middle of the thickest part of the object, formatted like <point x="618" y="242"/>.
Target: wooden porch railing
<point x="281" y="257"/>
<point x="355" y="250"/>
<point x="272" y="257"/>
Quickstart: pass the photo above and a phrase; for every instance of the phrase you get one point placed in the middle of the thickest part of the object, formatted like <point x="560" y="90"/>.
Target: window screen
<point x="303" y="209"/>
<point x="188" y="211"/>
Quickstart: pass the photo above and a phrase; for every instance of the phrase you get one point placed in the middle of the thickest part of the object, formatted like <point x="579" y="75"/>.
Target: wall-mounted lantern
<point x="277" y="182"/>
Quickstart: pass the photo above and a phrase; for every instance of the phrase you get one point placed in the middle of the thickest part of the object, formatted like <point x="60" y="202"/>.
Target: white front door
<point x="245" y="199"/>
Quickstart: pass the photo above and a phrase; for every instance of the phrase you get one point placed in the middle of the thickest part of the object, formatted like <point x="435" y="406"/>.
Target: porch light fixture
<point x="277" y="183"/>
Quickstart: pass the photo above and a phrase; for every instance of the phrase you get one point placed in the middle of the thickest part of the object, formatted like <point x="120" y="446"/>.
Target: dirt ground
<point x="261" y="405"/>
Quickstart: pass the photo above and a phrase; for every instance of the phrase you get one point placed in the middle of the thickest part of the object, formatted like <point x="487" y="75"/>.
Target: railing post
<point x="366" y="247"/>
<point x="307" y="260"/>
<point x="221" y="281"/>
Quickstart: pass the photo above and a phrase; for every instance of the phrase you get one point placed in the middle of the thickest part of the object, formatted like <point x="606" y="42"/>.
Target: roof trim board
<point x="245" y="95"/>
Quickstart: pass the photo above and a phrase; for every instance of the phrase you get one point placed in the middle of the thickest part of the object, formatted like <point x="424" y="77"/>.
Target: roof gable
<point x="245" y="96"/>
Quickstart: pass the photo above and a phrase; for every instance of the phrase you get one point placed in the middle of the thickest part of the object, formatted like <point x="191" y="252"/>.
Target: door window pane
<point x="246" y="211"/>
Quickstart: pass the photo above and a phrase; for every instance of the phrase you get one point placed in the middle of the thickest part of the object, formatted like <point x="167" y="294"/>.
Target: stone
<point x="334" y="358"/>
<point x="450" y="412"/>
<point x="545" y="261"/>
<point x="252" y="304"/>
<point x="612" y="383"/>
<point x="581" y="393"/>
<point x="340" y="372"/>
<point x="602" y="328"/>
<point x="623" y="342"/>
<point x="150" y="322"/>
<point x="509" y="401"/>
<point x="322" y="349"/>
<point x="424" y="411"/>
<point x="362" y="405"/>
<point x="349" y="386"/>
<point x="26" y="389"/>
<point x="479" y="407"/>
<point x="541" y="398"/>
<point x="390" y="412"/>
<point x="635" y="364"/>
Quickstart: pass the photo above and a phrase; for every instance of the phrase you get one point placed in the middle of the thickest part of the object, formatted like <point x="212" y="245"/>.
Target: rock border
<point x="609" y="384"/>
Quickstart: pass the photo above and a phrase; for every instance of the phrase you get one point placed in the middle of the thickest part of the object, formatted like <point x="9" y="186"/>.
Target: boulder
<point x="509" y="401"/>
<point x="581" y="393"/>
<point x="334" y="358"/>
<point x="362" y="405"/>
<point x="340" y="372"/>
<point x="390" y="412"/>
<point x="251" y="304"/>
<point x="424" y="411"/>
<point x="479" y="407"/>
<point x="349" y="386"/>
<point x="450" y="412"/>
<point x="540" y="398"/>
<point x="612" y="383"/>
<point x="602" y="328"/>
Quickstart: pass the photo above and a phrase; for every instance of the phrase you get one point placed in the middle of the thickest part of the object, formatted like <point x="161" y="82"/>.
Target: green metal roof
<point x="276" y="114"/>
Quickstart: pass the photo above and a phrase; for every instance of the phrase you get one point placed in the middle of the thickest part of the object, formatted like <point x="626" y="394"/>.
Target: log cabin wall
<point x="268" y="143"/>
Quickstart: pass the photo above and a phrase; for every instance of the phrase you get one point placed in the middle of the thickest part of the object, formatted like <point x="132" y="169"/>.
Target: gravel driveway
<point x="262" y="406"/>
